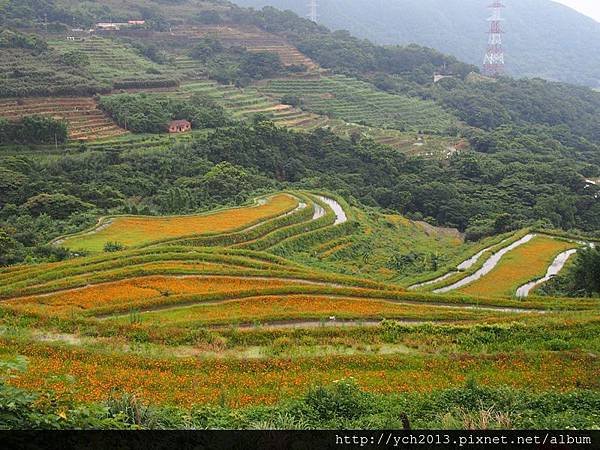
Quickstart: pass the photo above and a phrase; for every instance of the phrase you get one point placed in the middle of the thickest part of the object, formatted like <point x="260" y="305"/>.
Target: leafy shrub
<point x="111" y="247"/>
<point x="291" y="100"/>
<point x="14" y="39"/>
<point x="341" y="400"/>
<point x="209" y="18"/>
<point x="145" y="84"/>
<point x="557" y="345"/>
<point x="75" y="58"/>
<point x="393" y="331"/>
<point x="132" y="411"/>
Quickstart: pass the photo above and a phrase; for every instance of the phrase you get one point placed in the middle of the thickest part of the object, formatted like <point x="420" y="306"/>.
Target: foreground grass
<point x="341" y="405"/>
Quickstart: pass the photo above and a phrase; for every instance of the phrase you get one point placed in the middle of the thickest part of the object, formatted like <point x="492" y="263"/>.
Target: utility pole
<point x="493" y="63"/>
<point x="312" y="11"/>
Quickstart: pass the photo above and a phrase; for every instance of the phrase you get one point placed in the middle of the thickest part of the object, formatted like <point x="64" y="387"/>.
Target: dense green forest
<point x="44" y="197"/>
<point x="531" y="51"/>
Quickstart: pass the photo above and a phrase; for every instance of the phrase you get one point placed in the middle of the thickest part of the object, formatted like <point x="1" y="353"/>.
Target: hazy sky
<point x="588" y="7"/>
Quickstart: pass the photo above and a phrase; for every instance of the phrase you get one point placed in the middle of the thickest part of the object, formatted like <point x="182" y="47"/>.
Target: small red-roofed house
<point x="180" y="126"/>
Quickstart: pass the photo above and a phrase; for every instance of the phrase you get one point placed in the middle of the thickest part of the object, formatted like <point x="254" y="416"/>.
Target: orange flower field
<point x="91" y="376"/>
<point x="131" y="231"/>
<point x="298" y="307"/>
<point x="521" y="265"/>
<point x="138" y="292"/>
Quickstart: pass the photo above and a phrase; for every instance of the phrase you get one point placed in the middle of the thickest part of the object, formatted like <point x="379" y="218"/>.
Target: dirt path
<point x="211" y="352"/>
<point x="310" y="323"/>
<point x="102" y="224"/>
<point x="300" y="207"/>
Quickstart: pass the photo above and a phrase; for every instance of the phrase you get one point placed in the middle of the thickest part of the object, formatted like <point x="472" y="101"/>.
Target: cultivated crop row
<point x="118" y="64"/>
<point x="85" y="120"/>
<point x="359" y="102"/>
<point x="251" y="38"/>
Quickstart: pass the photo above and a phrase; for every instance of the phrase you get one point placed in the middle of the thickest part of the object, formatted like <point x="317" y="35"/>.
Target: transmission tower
<point x="493" y="63"/>
<point x="312" y="10"/>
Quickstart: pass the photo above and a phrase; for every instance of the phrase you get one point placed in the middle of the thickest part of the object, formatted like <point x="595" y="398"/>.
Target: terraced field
<point x="247" y="103"/>
<point x="118" y="64"/>
<point x="525" y="263"/>
<point x="85" y="120"/>
<point x="136" y="231"/>
<point x="244" y="104"/>
<point x="24" y="73"/>
<point x="359" y="102"/>
<point x="233" y="317"/>
<point x="505" y="268"/>
<point x="253" y="39"/>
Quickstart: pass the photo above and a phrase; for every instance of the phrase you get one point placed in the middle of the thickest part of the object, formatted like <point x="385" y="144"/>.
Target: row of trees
<point x="236" y="65"/>
<point x="33" y="130"/>
<point x="15" y="39"/>
<point x="151" y="113"/>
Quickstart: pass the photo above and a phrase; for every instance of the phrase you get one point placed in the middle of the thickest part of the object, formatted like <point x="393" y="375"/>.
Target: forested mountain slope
<point x="543" y="38"/>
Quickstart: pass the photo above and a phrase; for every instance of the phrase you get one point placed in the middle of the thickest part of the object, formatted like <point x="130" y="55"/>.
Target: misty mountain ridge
<point x="543" y="38"/>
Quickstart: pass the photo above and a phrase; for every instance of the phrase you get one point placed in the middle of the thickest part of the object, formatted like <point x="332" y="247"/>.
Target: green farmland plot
<point x="359" y="102"/>
<point x="244" y="104"/>
<point x="117" y="63"/>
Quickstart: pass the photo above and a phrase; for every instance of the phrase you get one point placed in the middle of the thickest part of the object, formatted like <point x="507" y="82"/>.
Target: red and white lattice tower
<point x="493" y="63"/>
<point x="312" y="10"/>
